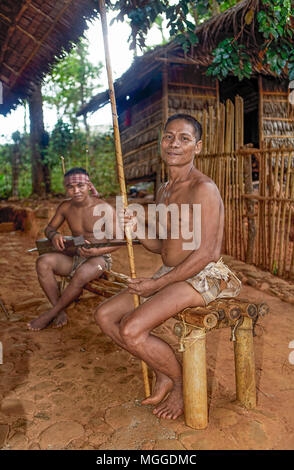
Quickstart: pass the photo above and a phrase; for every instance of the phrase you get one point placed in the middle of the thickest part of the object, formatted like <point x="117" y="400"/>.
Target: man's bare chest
<point x="81" y="221"/>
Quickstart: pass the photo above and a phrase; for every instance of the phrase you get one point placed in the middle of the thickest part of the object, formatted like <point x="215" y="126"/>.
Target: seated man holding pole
<point x="82" y="264"/>
<point x="192" y="273"/>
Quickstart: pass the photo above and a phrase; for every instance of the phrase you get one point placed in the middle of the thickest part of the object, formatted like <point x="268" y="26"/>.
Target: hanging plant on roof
<point x="268" y="24"/>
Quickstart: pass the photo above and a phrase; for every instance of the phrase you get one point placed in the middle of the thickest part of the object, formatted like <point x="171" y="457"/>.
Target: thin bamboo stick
<point x="192" y="96"/>
<point x="260" y="114"/>
<point x="211" y="131"/>
<point x="221" y="142"/>
<point x="265" y="118"/>
<point x="120" y="167"/>
<point x="273" y="221"/>
<point x="233" y="205"/>
<point x="242" y="187"/>
<point x="204" y="131"/>
<point x="280" y="202"/>
<point x="282" y="234"/>
<point x="289" y="220"/>
<point x="192" y="85"/>
<point x="227" y="206"/>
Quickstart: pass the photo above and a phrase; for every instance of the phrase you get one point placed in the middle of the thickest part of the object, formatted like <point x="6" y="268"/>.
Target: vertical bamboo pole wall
<point x="268" y="212"/>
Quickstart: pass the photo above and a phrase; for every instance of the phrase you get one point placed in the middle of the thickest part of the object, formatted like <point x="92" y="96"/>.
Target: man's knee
<point x="101" y="316"/>
<point x="131" y="334"/>
<point x="43" y="265"/>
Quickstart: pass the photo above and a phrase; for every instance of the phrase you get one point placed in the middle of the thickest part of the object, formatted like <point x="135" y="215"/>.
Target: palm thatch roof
<point x="227" y="24"/>
<point x="33" y="34"/>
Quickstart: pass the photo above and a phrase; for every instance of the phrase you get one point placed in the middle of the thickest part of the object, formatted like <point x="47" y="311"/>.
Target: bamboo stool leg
<point x="245" y="365"/>
<point x="195" y="380"/>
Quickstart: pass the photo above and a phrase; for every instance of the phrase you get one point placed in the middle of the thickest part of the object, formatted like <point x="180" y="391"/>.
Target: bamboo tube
<point x="200" y="318"/>
<point x="221" y="144"/>
<point x="120" y="167"/>
<point x="204" y="131"/>
<point x="283" y="255"/>
<point x="263" y="309"/>
<point x="289" y="222"/>
<point x="250" y="210"/>
<point x="260" y="113"/>
<point x="281" y="166"/>
<point x="239" y="192"/>
<point x="114" y="276"/>
<point x="234" y="313"/>
<point x="245" y="365"/>
<point x="273" y="217"/>
<point x="211" y="137"/>
<point x="228" y="207"/>
<point x="263" y="213"/>
<point x="195" y="380"/>
<point x="235" y="205"/>
<point x="112" y="284"/>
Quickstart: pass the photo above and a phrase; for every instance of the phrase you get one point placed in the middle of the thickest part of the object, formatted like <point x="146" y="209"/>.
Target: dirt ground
<point x="73" y="388"/>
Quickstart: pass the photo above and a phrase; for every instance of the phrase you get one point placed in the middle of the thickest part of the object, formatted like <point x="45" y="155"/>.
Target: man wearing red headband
<point x="82" y="266"/>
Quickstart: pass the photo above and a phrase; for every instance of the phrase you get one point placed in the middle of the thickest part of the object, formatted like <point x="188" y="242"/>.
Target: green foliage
<point x="228" y="57"/>
<point x="103" y="165"/>
<point x="275" y="26"/>
<point x="72" y="145"/>
<point x="72" y="81"/>
<point x="24" y="183"/>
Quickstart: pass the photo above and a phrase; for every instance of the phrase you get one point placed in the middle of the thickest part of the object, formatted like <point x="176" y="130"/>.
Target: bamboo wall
<point x="276" y="121"/>
<point x="184" y="89"/>
<point x="259" y="223"/>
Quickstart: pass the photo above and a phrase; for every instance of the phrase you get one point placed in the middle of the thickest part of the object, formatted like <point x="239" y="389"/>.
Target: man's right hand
<point x="58" y="242"/>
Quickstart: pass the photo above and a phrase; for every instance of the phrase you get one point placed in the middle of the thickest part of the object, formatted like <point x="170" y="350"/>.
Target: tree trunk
<point x="15" y="160"/>
<point x="40" y="171"/>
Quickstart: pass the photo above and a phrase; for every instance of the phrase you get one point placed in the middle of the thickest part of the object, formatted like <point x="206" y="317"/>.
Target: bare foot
<point x="173" y="406"/>
<point x="41" y="322"/>
<point x="60" y="320"/>
<point x="163" y="386"/>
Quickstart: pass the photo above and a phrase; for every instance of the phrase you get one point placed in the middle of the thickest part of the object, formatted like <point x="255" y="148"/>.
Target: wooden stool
<point x="241" y="316"/>
<point x="237" y="314"/>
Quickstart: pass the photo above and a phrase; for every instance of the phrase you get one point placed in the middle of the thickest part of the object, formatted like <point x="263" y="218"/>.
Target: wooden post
<point x="195" y="381"/>
<point x="260" y="112"/>
<point x="120" y="167"/>
<point x="250" y="209"/>
<point x="245" y="364"/>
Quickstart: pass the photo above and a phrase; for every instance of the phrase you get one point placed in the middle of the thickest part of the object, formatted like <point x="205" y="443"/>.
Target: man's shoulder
<point x="202" y="185"/>
<point x="63" y="205"/>
<point x="97" y="201"/>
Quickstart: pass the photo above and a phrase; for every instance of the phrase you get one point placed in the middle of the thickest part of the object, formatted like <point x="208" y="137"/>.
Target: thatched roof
<point x="33" y="34"/>
<point x="210" y="33"/>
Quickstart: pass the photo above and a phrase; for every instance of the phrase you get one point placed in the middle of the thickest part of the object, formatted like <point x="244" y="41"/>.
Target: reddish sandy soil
<point x="73" y="388"/>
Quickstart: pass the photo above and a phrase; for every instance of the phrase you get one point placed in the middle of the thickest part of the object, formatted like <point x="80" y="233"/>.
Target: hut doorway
<point x="248" y="90"/>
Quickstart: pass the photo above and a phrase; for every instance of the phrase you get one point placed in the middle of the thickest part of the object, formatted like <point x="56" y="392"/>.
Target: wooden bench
<point x="192" y="327"/>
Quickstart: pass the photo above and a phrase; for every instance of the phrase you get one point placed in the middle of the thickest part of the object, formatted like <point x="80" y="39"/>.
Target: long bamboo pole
<point x="120" y="167"/>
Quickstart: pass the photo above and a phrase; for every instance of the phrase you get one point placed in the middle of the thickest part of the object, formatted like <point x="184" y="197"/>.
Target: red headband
<point x="80" y="178"/>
